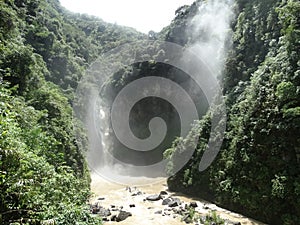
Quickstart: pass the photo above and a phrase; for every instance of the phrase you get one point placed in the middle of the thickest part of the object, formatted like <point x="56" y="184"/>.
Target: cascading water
<point x="202" y="59"/>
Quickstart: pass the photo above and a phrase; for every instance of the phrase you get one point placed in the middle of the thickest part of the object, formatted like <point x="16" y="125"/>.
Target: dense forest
<point x="44" y="52"/>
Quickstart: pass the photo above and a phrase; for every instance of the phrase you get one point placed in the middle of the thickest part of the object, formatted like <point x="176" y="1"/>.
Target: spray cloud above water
<point x="202" y="61"/>
<point x="211" y="32"/>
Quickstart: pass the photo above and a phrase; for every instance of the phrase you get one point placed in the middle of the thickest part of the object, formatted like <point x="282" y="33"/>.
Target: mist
<point x="210" y="39"/>
<point x="211" y="34"/>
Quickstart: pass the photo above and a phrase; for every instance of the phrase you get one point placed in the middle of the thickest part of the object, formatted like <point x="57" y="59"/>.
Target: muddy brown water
<point x="144" y="211"/>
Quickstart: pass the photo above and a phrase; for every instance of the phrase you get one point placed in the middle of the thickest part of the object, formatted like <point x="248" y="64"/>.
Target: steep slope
<point x="257" y="170"/>
<point x="44" y="51"/>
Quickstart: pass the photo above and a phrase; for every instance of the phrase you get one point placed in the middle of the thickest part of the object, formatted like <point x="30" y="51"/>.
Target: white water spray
<point x="210" y="34"/>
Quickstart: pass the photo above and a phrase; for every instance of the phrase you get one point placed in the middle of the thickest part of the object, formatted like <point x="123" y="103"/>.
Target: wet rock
<point x="137" y="193"/>
<point x="132" y="205"/>
<point x="113" y="218"/>
<point x="167" y="213"/>
<point x="175" y="202"/>
<point x="95" y="208"/>
<point x="187" y="219"/>
<point x="104" y="212"/>
<point x="166" y="201"/>
<point x="193" y="205"/>
<point x="123" y="215"/>
<point x="205" y="207"/>
<point x="128" y="189"/>
<point x="153" y="198"/>
<point x="158" y="212"/>
<point x="163" y="193"/>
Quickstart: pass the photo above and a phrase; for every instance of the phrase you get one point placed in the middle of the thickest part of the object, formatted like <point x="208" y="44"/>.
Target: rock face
<point x="153" y="198"/>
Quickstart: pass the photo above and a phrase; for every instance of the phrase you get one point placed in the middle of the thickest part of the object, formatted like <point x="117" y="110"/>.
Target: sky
<point x="143" y="15"/>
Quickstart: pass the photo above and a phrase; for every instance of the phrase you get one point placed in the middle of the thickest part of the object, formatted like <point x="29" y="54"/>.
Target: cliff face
<point x="257" y="170"/>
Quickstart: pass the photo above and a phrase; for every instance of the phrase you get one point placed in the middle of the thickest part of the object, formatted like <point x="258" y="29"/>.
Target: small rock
<point x="205" y="207"/>
<point x="123" y="215"/>
<point x="166" y="201"/>
<point x="237" y="223"/>
<point x="113" y="218"/>
<point x="193" y="205"/>
<point x="158" y="212"/>
<point x="132" y="205"/>
<point x="137" y="193"/>
<point x="101" y="198"/>
<point x="112" y="206"/>
<point x="104" y="212"/>
<point x="105" y="219"/>
<point x="95" y="208"/>
<point x="128" y="189"/>
<point x="175" y="202"/>
<point x="163" y="193"/>
<point x="186" y="219"/>
<point x="153" y="198"/>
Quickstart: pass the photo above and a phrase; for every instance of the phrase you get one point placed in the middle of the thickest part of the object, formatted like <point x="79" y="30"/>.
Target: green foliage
<point x="33" y="187"/>
<point x="44" y="176"/>
<point x="257" y="170"/>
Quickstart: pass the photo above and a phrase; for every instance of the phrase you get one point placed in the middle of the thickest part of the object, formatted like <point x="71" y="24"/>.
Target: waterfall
<point x="209" y="39"/>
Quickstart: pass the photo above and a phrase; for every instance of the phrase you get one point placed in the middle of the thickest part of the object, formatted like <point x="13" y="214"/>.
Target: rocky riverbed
<point x="154" y="204"/>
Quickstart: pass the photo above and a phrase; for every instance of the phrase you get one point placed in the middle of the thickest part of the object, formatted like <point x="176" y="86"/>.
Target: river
<point x="144" y="212"/>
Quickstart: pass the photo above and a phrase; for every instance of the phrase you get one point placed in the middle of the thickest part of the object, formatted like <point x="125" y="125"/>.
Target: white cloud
<point x="144" y="15"/>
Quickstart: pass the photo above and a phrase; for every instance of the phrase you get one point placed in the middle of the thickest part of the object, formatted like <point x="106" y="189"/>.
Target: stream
<point x="117" y="197"/>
